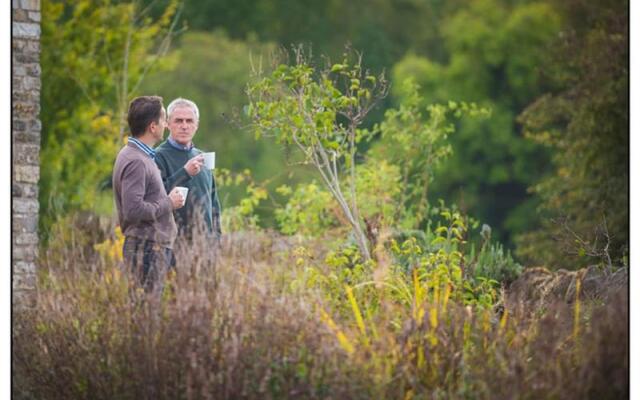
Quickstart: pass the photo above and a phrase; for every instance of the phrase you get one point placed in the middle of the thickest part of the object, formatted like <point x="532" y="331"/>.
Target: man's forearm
<point x="180" y="177"/>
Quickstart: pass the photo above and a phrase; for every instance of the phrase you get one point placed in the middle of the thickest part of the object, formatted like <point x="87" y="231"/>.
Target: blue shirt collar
<point x="178" y="146"/>
<point x="145" y="149"/>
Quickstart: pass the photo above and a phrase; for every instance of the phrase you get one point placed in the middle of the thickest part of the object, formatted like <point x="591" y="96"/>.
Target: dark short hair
<point x="143" y="111"/>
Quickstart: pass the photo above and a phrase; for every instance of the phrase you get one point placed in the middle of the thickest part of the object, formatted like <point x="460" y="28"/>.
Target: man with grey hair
<point x="182" y="164"/>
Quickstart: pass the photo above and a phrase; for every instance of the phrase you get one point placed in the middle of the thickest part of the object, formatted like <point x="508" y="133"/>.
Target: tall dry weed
<point x="245" y="320"/>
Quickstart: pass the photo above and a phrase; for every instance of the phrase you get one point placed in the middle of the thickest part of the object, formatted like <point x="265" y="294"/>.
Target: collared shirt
<point x="146" y="149"/>
<point x="179" y="146"/>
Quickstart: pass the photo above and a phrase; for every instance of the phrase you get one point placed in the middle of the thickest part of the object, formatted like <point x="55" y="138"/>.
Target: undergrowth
<point x="266" y="318"/>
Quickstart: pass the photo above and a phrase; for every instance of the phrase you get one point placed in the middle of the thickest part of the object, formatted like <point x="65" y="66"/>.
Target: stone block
<point x="24" y="268"/>
<point x="33" y="5"/>
<point x="31" y="83"/>
<point x="15" y="3"/>
<point x="34" y="16"/>
<point x="28" y="190"/>
<point x="32" y="46"/>
<point x="25" y="253"/>
<point x="25" y="206"/>
<point x="20" y="97"/>
<point x="28" y="136"/>
<point x="33" y="70"/>
<point x="24" y="281"/>
<point x="17" y="45"/>
<point x="26" y="57"/>
<point x="26" y="173"/>
<point x="21" y="239"/>
<point x="25" y="97"/>
<point x="26" y="30"/>
<point x="20" y="15"/>
<point x="18" y="125"/>
<point x="17" y="84"/>
<point x="19" y="70"/>
<point x="24" y="223"/>
<point x="23" y="300"/>
<point x="25" y="109"/>
<point x="24" y="153"/>
<point x="24" y="45"/>
<point x="35" y="125"/>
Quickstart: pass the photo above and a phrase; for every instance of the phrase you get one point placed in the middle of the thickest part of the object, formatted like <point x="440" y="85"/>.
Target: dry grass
<point x="249" y="324"/>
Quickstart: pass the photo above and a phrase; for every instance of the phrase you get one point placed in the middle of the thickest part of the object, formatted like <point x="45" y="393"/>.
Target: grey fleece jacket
<point x="144" y="208"/>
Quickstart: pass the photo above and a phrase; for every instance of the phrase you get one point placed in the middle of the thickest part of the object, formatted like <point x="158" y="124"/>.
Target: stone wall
<point x="25" y="142"/>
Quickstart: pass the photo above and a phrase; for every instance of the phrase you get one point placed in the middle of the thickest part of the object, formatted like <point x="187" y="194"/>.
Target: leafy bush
<point x="378" y="186"/>
<point x="494" y="263"/>
<point x="311" y="210"/>
<point x="319" y="111"/>
<point x="415" y="140"/>
<point x="242" y="216"/>
<point x="307" y="212"/>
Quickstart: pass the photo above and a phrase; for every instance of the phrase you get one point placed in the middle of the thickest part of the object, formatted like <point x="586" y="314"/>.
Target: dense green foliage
<point x="494" y="50"/>
<point x="94" y="56"/>
<point x="416" y="139"/>
<point x="564" y="63"/>
<point x="383" y="30"/>
<point x="585" y="120"/>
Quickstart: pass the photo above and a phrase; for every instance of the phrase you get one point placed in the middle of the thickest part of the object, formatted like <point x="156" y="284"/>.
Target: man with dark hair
<point x="145" y="211"/>
<point x="182" y="164"/>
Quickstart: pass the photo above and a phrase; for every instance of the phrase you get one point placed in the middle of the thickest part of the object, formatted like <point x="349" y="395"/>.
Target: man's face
<point x="157" y="128"/>
<point x="183" y="125"/>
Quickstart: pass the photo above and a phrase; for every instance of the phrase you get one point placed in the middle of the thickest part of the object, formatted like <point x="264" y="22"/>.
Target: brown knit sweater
<point x="144" y="208"/>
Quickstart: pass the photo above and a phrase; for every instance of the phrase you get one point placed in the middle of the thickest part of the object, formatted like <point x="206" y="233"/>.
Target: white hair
<point x="180" y="102"/>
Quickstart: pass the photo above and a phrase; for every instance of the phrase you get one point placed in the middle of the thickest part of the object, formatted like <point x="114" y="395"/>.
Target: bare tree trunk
<point x="122" y="98"/>
<point x="360" y="235"/>
<point x="332" y="180"/>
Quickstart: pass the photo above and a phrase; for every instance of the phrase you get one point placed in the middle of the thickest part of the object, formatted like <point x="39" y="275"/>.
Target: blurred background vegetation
<point x="545" y="170"/>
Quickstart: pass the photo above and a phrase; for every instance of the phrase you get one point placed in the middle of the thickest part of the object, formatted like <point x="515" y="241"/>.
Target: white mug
<point x="183" y="191"/>
<point x="209" y="160"/>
